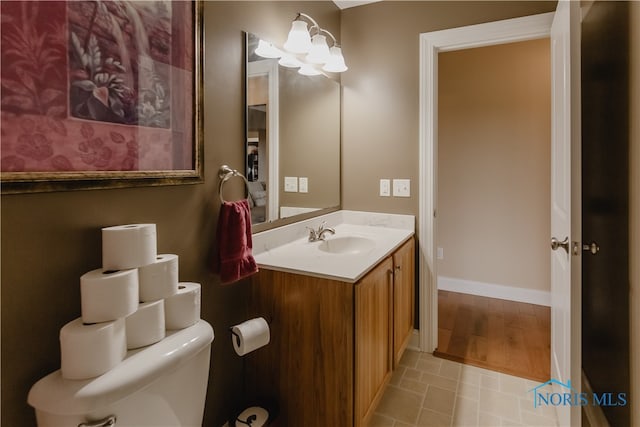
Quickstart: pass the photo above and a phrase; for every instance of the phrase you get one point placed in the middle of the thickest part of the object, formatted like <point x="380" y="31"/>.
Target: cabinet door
<point x="307" y="368"/>
<point x="373" y="338"/>
<point x="403" y="297"/>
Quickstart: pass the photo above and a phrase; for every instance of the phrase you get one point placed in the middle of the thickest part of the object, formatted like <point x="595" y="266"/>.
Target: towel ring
<point x="225" y="173"/>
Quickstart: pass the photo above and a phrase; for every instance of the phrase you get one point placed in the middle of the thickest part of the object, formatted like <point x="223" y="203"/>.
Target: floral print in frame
<point x="99" y="91"/>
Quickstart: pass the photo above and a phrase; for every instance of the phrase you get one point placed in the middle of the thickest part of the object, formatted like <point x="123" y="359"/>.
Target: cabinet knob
<point x="398" y="267"/>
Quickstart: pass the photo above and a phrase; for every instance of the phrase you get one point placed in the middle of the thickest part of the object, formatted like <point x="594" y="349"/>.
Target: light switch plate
<point x="291" y="184"/>
<point x="303" y="184"/>
<point x="385" y="187"/>
<point x="402" y="188"/>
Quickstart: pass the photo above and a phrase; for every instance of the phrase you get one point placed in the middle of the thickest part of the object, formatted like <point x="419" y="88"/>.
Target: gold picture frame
<point x="115" y="101"/>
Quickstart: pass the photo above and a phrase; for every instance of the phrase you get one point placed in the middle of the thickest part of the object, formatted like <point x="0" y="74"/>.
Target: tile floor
<point x="427" y="391"/>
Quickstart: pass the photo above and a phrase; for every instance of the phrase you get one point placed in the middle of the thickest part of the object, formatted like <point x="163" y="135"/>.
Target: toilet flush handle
<point x="110" y="421"/>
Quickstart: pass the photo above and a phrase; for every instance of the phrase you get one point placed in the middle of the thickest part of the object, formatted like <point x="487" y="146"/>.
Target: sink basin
<point x="347" y="245"/>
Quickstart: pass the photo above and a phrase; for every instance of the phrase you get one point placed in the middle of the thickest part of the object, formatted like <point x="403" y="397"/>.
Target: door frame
<point x="492" y="33"/>
<point x="269" y="68"/>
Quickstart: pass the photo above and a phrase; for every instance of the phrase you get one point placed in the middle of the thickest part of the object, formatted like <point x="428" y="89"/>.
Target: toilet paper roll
<point x="146" y="325"/>
<point x="108" y="295"/>
<point x="250" y="335"/>
<point x="183" y="309"/>
<point x="87" y="351"/>
<point x="128" y="246"/>
<point x="159" y="279"/>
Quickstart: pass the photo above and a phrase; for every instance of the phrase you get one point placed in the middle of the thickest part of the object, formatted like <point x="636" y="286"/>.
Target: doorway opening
<point x="494" y="161"/>
<point x="562" y="26"/>
<point x="431" y="45"/>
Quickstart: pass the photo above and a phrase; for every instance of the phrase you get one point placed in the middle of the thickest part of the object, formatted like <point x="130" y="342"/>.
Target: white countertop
<point x="288" y="249"/>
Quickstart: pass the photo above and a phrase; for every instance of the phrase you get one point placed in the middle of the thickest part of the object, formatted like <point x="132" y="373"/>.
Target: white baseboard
<point x="511" y="293"/>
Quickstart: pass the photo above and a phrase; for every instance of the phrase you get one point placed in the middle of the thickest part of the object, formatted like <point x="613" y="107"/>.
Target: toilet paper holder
<point x="237" y="337"/>
<point x="106" y="422"/>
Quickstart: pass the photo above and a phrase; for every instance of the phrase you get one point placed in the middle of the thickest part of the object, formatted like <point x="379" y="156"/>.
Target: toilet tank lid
<point x="56" y="395"/>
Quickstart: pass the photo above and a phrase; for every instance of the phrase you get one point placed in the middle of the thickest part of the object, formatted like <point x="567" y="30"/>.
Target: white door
<point x="565" y="203"/>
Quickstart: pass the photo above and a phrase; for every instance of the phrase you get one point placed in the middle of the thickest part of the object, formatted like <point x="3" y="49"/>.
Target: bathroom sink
<point x="347" y="245"/>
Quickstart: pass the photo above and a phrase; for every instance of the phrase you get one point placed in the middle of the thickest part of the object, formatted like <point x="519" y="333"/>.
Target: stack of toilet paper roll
<point x="128" y="303"/>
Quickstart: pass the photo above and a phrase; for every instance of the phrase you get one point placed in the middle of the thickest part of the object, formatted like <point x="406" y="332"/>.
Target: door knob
<point x="591" y="247"/>
<point x="555" y="244"/>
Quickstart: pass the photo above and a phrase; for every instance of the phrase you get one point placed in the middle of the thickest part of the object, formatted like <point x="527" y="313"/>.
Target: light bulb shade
<point x="267" y="50"/>
<point x="290" y="61"/>
<point x="308" y="70"/>
<point x="299" y="40"/>
<point x="336" y="61"/>
<point x="319" y="53"/>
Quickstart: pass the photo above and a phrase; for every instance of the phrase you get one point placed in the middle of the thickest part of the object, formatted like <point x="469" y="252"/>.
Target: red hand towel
<point x="234" y="260"/>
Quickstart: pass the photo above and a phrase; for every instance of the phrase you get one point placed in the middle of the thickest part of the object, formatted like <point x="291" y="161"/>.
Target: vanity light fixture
<point x="335" y="64"/>
<point x="308" y="70"/>
<point x="318" y="52"/>
<point x="290" y="61"/>
<point x="299" y="39"/>
<point x="300" y="42"/>
<point x="268" y="50"/>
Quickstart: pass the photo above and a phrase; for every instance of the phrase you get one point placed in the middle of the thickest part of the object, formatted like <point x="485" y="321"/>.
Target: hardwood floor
<point x="504" y="336"/>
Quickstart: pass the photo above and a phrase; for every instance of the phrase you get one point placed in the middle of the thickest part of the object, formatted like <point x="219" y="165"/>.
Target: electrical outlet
<point x="401" y="188"/>
<point x="385" y="188"/>
<point x="440" y="254"/>
<point x="291" y="184"/>
<point x="303" y="184"/>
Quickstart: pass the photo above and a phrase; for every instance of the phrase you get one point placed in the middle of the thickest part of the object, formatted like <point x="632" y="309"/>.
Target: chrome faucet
<point x="315" y="235"/>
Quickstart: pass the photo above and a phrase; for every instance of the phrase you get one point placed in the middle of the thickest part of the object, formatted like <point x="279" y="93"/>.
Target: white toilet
<point x="161" y="385"/>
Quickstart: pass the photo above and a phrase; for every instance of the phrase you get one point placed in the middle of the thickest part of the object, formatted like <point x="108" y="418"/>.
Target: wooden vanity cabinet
<point x="403" y="298"/>
<point x="384" y="325"/>
<point x="307" y="367"/>
<point x="373" y="338"/>
<point x="333" y="344"/>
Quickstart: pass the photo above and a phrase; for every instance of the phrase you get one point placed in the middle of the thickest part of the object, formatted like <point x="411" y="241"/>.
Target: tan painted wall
<point x="380" y="43"/>
<point x="309" y="138"/>
<point x="50" y="240"/>
<point x="494" y="140"/>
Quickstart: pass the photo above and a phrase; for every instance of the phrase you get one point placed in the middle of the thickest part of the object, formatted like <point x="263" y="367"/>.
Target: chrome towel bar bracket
<point x="225" y="173"/>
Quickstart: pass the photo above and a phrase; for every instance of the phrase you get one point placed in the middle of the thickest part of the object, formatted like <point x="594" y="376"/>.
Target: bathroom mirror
<point x="292" y="140"/>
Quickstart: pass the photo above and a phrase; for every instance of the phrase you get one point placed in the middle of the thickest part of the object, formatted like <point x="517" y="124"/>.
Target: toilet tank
<point x="161" y="385"/>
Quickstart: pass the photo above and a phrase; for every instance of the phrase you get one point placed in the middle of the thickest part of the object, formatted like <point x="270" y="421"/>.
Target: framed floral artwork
<point x="100" y="94"/>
